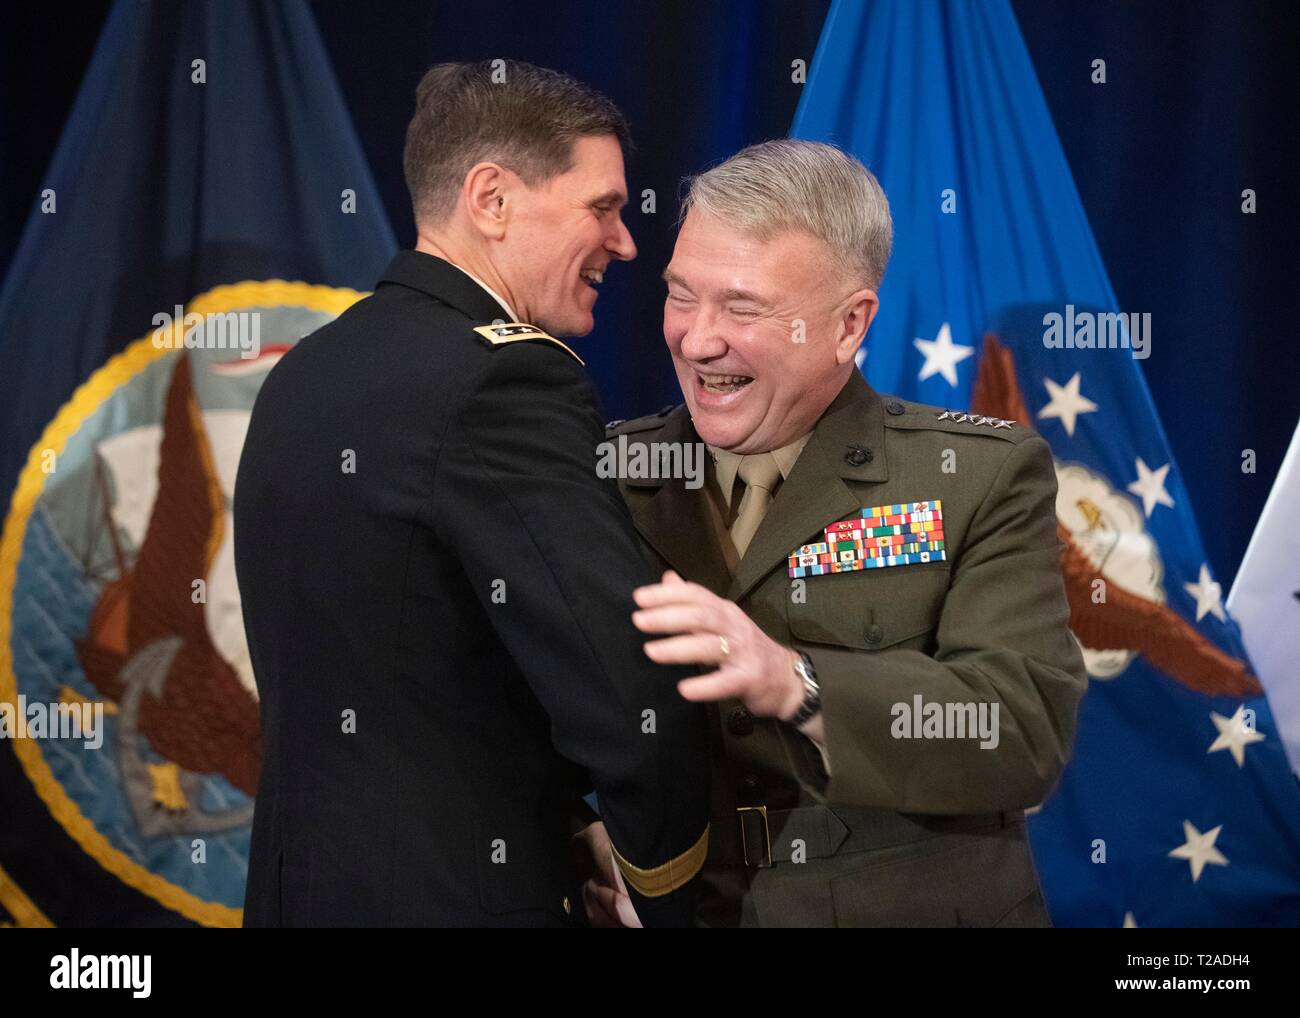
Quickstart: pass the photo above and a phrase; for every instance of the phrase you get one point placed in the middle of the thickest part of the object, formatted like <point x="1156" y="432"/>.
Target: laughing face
<point x="563" y="237"/>
<point x="762" y="333"/>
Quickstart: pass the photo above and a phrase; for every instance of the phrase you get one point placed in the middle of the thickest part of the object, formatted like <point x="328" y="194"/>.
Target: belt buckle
<point x="767" y="834"/>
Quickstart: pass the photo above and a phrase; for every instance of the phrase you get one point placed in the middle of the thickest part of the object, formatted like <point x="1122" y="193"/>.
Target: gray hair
<point x="766" y="189"/>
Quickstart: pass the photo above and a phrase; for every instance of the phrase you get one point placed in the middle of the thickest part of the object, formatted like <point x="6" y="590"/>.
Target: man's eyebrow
<point x="673" y="279"/>
<point x="745" y="295"/>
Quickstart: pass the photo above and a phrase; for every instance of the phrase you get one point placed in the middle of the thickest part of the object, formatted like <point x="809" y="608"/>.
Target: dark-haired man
<point x="440" y="634"/>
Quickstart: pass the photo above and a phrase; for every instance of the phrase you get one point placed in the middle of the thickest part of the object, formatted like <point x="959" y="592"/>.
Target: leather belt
<point x="760" y="837"/>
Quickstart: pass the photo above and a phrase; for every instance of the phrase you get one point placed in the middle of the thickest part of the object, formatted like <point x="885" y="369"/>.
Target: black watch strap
<point x="812" y="697"/>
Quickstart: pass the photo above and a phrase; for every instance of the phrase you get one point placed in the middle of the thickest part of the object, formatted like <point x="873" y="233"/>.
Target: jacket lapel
<point x="675" y="521"/>
<point x="815" y="494"/>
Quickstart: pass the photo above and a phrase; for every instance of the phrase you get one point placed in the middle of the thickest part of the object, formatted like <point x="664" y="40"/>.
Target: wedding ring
<point x="726" y="647"/>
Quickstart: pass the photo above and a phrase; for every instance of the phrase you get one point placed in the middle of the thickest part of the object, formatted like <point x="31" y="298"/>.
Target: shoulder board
<point x="646" y="423"/>
<point x="518" y="332"/>
<point x="919" y="416"/>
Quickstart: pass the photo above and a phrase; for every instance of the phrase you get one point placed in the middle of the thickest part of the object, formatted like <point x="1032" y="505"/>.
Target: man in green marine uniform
<point x="872" y="586"/>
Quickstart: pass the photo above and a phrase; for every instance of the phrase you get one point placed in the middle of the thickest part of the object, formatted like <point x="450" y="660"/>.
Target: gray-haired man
<point x="893" y="678"/>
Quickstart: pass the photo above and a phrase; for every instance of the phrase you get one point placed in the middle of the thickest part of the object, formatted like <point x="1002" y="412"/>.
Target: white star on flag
<point x="942" y="355"/>
<point x="1151" y="486"/>
<point x="1066" y="402"/>
<point x="1233" y="734"/>
<point x="1208" y="594"/>
<point x="1199" y="849"/>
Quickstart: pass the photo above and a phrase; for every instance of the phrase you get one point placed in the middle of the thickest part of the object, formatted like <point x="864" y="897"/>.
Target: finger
<point x="714" y="686"/>
<point x="626" y="913"/>
<point x="618" y="874"/>
<point x="671" y="577"/>
<point x="695" y="649"/>
<point x="605" y="897"/>
<point x="602" y="912"/>
<point x="676" y="618"/>
<point x="607" y="870"/>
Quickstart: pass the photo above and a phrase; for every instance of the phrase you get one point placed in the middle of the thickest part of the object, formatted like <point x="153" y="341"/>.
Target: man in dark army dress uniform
<point x="874" y="584"/>
<point x="436" y="583"/>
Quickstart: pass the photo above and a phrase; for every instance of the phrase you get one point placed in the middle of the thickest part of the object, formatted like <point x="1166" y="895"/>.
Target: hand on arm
<point x="709" y="630"/>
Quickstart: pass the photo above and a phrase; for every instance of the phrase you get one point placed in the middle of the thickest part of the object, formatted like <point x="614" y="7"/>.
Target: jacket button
<point x="874" y="633"/>
<point x="857" y="455"/>
<point x="894" y="407"/>
<point x="740" y="721"/>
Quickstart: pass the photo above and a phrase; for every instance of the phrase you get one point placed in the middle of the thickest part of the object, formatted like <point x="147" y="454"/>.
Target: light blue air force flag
<point x="1178" y="807"/>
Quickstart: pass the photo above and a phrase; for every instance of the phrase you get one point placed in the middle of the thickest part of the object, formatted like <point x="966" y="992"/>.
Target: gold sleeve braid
<point x="667" y="877"/>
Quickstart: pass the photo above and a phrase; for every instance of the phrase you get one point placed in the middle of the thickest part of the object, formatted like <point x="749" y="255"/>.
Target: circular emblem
<point x="118" y="598"/>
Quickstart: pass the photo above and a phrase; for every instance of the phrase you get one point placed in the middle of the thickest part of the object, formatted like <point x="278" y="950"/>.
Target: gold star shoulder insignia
<point x="518" y="332"/>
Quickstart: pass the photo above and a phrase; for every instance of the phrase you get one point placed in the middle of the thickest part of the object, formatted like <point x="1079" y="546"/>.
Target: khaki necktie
<point x="760" y="474"/>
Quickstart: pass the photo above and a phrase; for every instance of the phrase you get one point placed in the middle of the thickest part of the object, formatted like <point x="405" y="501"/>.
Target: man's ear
<point x="859" y="311"/>
<point x="485" y="195"/>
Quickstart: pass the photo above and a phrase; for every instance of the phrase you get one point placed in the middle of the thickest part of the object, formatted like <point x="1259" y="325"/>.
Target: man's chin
<point x="573" y="327"/>
<point x="715" y="430"/>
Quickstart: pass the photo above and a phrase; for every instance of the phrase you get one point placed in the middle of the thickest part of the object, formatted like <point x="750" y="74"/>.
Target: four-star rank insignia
<point x="902" y="534"/>
<point x="516" y="332"/>
<point x="977" y="419"/>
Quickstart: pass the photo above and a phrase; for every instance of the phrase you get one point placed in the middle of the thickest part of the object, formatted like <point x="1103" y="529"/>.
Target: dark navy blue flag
<point x="208" y="205"/>
<point x="1178" y="807"/>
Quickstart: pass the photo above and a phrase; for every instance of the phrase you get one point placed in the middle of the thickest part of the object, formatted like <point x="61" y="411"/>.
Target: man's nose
<point x="621" y="245"/>
<point x="701" y="341"/>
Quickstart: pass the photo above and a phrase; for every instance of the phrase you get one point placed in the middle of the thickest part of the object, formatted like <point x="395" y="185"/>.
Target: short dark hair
<point x="523" y="117"/>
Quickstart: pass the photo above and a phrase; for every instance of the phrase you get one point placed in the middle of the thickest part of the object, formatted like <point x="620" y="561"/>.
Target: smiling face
<point x="562" y="236"/>
<point x="753" y="378"/>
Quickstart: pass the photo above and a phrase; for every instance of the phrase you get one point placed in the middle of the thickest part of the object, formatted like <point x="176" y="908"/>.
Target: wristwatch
<point x="812" y="692"/>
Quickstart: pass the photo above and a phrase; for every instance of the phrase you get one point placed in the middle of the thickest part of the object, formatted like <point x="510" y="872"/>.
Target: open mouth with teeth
<point x="592" y="277"/>
<point x="722" y="383"/>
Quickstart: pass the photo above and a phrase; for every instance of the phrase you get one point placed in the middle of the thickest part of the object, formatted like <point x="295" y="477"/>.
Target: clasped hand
<point x="710" y="630"/>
